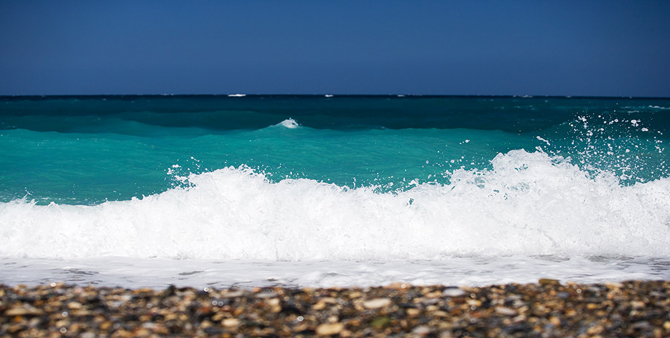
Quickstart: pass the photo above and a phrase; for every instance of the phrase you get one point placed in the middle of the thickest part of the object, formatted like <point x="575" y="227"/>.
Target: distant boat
<point x="237" y="95"/>
<point x="328" y="95"/>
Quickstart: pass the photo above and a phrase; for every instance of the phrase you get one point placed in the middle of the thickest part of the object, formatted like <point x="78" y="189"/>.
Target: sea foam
<point x="289" y="123"/>
<point x="529" y="203"/>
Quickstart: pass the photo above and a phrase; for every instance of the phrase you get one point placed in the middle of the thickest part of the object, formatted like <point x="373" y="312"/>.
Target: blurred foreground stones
<point x="546" y="309"/>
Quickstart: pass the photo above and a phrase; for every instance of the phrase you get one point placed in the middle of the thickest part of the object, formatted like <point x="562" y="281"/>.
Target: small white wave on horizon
<point x="289" y="123"/>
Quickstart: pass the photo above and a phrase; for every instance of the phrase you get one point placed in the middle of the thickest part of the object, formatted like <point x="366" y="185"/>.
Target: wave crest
<point x="528" y="204"/>
<point x="289" y="123"/>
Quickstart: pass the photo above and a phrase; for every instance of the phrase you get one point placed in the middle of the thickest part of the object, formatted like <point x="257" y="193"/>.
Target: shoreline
<point x="543" y="309"/>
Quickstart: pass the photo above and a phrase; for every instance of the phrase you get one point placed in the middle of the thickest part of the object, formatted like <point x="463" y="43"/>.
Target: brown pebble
<point x="329" y="329"/>
<point x="230" y="322"/>
<point x="106" y="325"/>
<point x="232" y="294"/>
<point x="398" y="286"/>
<point x="355" y="294"/>
<point x="413" y="312"/>
<point x="505" y="311"/>
<point x="320" y="305"/>
<point x="376" y="303"/>
<point x="24" y="311"/>
<point x="549" y="281"/>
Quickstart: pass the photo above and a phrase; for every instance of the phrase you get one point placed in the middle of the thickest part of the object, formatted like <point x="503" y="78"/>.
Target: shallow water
<point x="457" y="271"/>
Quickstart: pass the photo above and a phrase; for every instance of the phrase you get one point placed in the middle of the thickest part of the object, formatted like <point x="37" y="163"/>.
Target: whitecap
<point x="289" y="123"/>
<point x="527" y="204"/>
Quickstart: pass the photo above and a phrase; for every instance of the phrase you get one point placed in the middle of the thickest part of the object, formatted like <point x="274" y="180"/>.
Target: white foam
<point x="159" y="273"/>
<point x="289" y="123"/>
<point x="529" y="204"/>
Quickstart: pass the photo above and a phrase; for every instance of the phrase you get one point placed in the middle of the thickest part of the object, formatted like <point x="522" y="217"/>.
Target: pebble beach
<point x="544" y="309"/>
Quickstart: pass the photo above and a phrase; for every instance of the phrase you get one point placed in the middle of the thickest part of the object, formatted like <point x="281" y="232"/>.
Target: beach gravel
<point x="545" y="309"/>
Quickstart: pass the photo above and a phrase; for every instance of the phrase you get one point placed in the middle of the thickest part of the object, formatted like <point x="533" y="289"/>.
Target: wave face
<point x="333" y="178"/>
<point x="529" y="203"/>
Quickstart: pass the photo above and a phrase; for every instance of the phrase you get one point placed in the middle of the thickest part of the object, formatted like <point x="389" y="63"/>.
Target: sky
<point x="564" y="48"/>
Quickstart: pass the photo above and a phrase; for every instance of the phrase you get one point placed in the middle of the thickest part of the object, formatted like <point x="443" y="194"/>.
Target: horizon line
<point x="326" y="95"/>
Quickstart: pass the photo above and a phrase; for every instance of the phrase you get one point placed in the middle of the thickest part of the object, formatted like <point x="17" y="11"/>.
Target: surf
<point x="529" y="203"/>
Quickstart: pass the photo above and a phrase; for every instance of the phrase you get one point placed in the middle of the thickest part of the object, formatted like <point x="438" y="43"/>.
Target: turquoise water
<point x="332" y="191"/>
<point x="88" y="150"/>
<point x="278" y="177"/>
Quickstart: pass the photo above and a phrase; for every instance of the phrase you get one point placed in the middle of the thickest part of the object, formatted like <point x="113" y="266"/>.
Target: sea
<point x="332" y="190"/>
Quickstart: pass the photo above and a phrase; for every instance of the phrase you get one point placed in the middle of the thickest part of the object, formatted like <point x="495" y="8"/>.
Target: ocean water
<point x="332" y="190"/>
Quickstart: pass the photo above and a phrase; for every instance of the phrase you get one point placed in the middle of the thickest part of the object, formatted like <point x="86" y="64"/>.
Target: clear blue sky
<point x="609" y="48"/>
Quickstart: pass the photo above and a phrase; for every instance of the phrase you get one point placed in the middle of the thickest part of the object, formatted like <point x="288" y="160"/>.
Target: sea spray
<point x="529" y="204"/>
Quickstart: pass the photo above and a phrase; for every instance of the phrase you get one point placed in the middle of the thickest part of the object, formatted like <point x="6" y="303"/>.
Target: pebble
<point x="453" y="292"/>
<point x="23" y="311"/>
<point x="329" y="329"/>
<point x="377" y="303"/>
<point x="230" y="322"/>
<point x="548" y="281"/>
<point x="543" y="309"/>
<point x="505" y="311"/>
